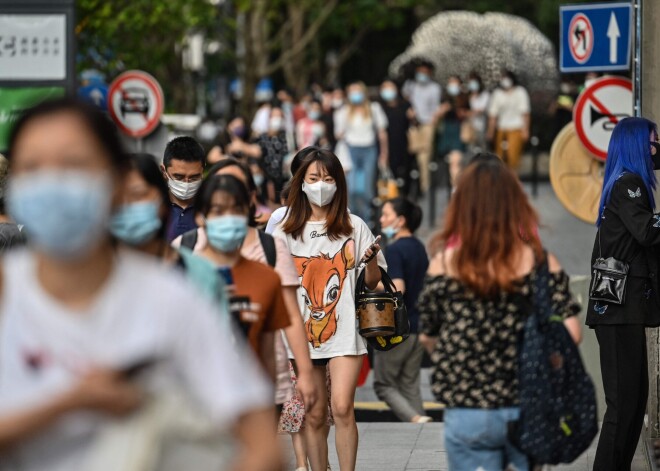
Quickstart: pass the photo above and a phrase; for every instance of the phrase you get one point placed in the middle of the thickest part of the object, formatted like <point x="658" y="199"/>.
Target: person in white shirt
<point x="90" y="333"/>
<point x="362" y="125"/>
<point x="509" y="114"/>
<point x="328" y="244"/>
<point x="424" y="95"/>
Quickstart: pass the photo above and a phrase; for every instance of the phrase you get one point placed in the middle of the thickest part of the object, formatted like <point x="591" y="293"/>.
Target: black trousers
<point x="624" y="368"/>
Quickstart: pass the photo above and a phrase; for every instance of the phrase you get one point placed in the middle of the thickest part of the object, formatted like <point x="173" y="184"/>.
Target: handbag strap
<point x="542" y="299"/>
<point x="602" y="218"/>
<point x="388" y="284"/>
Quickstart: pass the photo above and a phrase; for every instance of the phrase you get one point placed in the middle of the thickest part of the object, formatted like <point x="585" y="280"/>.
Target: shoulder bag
<point x="609" y="277"/>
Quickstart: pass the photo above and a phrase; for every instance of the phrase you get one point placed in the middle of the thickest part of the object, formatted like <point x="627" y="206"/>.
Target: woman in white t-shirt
<point x="362" y="125"/>
<point x="89" y="332"/>
<point x="509" y="113"/>
<point x="327" y="244"/>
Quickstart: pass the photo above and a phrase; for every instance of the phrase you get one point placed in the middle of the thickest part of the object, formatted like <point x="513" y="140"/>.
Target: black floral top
<point x="476" y="355"/>
<point x="273" y="151"/>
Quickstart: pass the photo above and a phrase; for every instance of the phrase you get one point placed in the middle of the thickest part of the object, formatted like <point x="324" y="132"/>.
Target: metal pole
<point x="534" y="141"/>
<point x="433" y="182"/>
<point x="637" y="59"/>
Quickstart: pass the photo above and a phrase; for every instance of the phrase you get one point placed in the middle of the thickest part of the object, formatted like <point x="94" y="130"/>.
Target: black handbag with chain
<point x="608" y="279"/>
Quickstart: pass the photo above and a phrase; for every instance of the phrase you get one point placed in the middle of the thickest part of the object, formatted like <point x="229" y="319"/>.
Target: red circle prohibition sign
<point x="588" y="96"/>
<point x="586" y="36"/>
<point x="152" y="84"/>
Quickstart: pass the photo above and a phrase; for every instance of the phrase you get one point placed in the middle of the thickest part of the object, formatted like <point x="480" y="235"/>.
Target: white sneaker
<point x="302" y="469"/>
<point x="424" y="419"/>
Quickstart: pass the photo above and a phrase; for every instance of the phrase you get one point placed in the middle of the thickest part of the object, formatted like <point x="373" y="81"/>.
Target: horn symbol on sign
<point x="612" y="119"/>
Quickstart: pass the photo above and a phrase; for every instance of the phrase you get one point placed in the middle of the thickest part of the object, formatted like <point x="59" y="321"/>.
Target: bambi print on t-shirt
<point x="322" y="280"/>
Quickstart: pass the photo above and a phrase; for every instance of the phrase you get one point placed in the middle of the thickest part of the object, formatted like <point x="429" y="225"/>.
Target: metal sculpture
<point x="458" y="42"/>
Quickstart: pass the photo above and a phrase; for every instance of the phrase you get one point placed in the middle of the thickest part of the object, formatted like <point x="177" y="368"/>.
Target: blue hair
<point x="629" y="152"/>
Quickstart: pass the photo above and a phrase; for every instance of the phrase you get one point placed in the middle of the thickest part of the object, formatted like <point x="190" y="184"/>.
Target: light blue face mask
<point x="389" y="231"/>
<point x="388" y="94"/>
<point x="226" y="233"/>
<point x="258" y="179"/>
<point x="136" y="223"/>
<point x="356" y="98"/>
<point x="65" y="212"/>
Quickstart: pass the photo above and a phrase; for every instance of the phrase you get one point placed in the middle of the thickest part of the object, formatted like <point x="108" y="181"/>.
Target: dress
<point x="327" y="286"/>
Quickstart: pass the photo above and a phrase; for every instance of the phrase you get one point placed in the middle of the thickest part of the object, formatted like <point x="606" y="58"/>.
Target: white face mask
<point x="319" y="193"/>
<point x="506" y="83"/>
<point x="183" y="190"/>
<point x="276" y="123"/>
<point x="453" y="89"/>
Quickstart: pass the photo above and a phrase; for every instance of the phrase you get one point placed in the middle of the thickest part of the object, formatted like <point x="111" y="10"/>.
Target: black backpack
<point x="557" y="398"/>
<point x="189" y="240"/>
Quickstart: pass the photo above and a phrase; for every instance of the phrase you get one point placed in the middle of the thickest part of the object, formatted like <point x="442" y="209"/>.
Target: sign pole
<point x="637" y="59"/>
<point x="649" y="40"/>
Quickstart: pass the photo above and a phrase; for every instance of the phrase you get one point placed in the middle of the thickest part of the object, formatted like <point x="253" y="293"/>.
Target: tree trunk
<point x="253" y="31"/>
<point x="296" y="73"/>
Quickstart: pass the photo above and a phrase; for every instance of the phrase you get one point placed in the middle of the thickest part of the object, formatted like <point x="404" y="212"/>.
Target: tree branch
<point x="304" y="41"/>
<point x="349" y="49"/>
<point x="278" y="39"/>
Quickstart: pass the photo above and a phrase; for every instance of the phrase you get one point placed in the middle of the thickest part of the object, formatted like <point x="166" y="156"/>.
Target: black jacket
<point x="630" y="232"/>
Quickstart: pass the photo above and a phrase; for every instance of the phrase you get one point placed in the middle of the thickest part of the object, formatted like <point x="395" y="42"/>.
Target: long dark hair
<point x="146" y="165"/>
<point x="338" y="223"/>
<point x="97" y="123"/>
<point x="227" y="183"/>
<point x="488" y="227"/>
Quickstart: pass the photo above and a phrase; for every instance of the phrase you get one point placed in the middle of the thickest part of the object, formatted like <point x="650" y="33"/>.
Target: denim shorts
<point x="476" y="440"/>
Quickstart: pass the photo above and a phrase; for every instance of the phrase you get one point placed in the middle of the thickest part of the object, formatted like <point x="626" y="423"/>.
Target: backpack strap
<point x="268" y="243"/>
<point x="189" y="239"/>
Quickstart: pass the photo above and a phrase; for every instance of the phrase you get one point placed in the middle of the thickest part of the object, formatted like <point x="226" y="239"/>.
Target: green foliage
<point x="115" y="35"/>
<point x="121" y="34"/>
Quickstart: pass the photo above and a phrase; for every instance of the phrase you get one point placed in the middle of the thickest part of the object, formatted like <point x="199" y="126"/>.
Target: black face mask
<point x="656" y="158"/>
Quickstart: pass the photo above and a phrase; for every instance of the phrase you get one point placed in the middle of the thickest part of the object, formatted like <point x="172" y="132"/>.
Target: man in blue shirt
<point x="183" y="168"/>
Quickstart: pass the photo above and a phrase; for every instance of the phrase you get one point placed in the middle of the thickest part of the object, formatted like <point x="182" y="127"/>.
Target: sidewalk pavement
<point x="404" y="447"/>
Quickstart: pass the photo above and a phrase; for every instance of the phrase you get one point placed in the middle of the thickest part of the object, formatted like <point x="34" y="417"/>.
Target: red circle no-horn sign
<point x="580" y="38"/>
<point x="598" y="110"/>
<point x="135" y="102"/>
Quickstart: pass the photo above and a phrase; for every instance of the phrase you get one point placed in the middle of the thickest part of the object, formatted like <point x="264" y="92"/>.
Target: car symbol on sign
<point x="134" y="100"/>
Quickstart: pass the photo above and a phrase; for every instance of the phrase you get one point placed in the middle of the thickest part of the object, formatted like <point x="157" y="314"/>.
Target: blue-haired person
<point x="628" y="231"/>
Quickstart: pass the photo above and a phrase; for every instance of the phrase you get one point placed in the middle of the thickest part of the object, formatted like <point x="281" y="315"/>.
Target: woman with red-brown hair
<point x="327" y="244"/>
<point x="473" y="307"/>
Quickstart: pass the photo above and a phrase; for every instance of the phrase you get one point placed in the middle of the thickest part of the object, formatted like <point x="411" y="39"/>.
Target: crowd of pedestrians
<point x="401" y="132"/>
<point x="165" y="306"/>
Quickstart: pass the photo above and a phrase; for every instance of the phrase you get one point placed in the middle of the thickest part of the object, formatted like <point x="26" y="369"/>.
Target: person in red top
<point x="256" y="299"/>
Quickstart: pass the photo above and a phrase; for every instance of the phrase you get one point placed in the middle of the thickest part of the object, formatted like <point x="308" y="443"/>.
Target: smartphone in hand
<point x="374" y="252"/>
